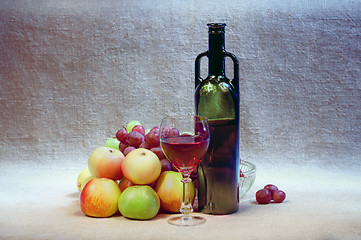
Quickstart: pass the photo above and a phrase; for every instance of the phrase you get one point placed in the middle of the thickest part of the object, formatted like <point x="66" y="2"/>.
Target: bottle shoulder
<point x="216" y="85"/>
<point x="216" y="99"/>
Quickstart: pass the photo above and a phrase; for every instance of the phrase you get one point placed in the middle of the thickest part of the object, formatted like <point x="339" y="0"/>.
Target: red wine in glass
<point x="185" y="152"/>
<point x="184" y="141"/>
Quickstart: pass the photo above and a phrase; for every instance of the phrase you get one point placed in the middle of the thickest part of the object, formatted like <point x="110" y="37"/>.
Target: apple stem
<point x="186" y="207"/>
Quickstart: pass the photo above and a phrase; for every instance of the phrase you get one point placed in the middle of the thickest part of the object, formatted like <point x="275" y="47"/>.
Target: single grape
<point x="156" y="128"/>
<point x="128" y="150"/>
<point x="158" y="151"/>
<point x="263" y="196"/>
<point x="166" y="165"/>
<point x="123" y="146"/>
<point x="174" y="132"/>
<point x="144" y="145"/>
<point x="279" y="196"/>
<point x="165" y="132"/>
<point x="152" y="138"/>
<point x="135" y="138"/>
<point x="139" y="128"/>
<point x="272" y="188"/>
<point x="131" y="124"/>
<point x="121" y="135"/>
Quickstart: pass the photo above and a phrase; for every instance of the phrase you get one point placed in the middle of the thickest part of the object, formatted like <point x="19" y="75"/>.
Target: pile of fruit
<point x="130" y="174"/>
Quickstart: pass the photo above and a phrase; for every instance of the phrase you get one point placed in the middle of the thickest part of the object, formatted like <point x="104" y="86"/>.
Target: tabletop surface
<point x="43" y="203"/>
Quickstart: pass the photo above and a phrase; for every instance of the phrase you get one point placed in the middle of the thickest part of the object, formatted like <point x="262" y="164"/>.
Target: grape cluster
<point x="137" y="138"/>
<point x="268" y="193"/>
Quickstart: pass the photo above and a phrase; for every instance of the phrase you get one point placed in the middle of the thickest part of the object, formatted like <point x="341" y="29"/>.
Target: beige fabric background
<point x="73" y="72"/>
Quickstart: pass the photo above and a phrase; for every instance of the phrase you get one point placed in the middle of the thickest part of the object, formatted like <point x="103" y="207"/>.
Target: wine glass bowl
<point x="184" y="141"/>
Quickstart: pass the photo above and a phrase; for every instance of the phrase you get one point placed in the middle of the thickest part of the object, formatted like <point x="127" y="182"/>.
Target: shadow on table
<point x="73" y="195"/>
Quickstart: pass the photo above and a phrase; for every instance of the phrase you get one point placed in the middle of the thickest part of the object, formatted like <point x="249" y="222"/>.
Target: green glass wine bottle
<point x="217" y="98"/>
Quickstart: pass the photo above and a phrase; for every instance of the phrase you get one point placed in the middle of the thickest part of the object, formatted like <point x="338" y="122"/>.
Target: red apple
<point x="141" y="166"/>
<point x="106" y="162"/>
<point x="99" y="198"/>
<point x="170" y="191"/>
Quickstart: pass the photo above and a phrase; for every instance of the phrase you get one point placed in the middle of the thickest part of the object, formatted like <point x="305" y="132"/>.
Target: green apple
<point x="139" y="202"/>
<point x="141" y="166"/>
<point x="83" y="178"/>
<point x="99" y="198"/>
<point x="106" y="162"/>
<point x="170" y="191"/>
<point x="187" y="133"/>
<point x="131" y="124"/>
<point x="112" y="142"/>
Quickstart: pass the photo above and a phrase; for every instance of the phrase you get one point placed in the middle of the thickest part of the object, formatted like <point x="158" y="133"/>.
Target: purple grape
<point x="158" y="151"/>
<point x="263" y="196"/>
<point x="279" y="196"/>
<point x="152" y="138"/>
<point x="123" y="146"/>
<point x="139" y="128"/>
<point x="272" y="188"/>
<point x="174" y="132"/>
<point x="128" y="150"/>
<point x="165" y="132"/>
<point x="144" y="145"/>
<point x="135" y="138"/>
<point x="121" y="135"/>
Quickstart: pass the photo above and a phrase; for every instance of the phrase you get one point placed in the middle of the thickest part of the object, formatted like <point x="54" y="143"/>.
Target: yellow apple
<point x="106" y="162"/>
<point x="141" y="166"/>
<point x="84" y="177"/>
<point x="99" y="198"/>
<point x="170" y="191"/>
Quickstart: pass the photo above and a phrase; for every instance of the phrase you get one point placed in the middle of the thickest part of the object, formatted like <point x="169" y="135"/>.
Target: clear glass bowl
<point x="247" y="177"/>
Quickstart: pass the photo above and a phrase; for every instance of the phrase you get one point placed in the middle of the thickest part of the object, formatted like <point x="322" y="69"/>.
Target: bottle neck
<point x="216" y="49"/>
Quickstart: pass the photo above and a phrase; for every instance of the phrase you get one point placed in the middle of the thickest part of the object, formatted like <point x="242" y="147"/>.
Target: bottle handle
<point x="235" y="80"/>
<point x="197" y="71"/>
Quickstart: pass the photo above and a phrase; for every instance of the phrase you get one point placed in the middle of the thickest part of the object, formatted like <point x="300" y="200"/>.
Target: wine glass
<point x="184" y="141"/>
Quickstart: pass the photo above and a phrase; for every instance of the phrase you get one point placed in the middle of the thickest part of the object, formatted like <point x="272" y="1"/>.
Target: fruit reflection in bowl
<point x="247" y="177"/>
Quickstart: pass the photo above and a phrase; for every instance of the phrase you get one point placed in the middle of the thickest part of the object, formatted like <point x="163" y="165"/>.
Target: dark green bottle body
<point x="217" y="98"/>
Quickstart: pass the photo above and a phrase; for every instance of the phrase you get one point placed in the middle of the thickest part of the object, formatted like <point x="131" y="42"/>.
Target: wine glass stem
<point x="186" y="207"/>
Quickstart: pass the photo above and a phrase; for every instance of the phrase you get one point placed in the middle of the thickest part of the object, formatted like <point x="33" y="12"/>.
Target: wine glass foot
<point x="186" y="220"/>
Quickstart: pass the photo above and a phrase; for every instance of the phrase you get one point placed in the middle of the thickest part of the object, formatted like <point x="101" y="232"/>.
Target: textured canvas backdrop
<point x="73" y="72"/>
